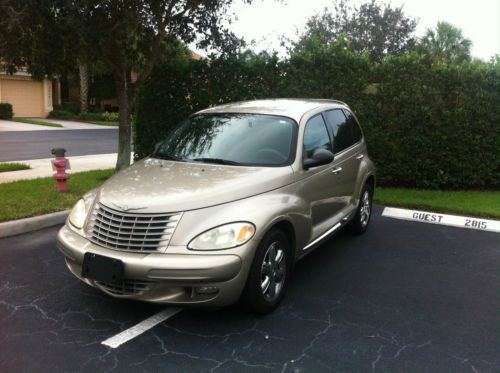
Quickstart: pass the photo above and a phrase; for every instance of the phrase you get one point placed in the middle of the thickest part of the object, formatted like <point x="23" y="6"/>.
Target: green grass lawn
<point x="102" y="123"/>
<point x="15" y="166"/>
<point x="24" y="198"/>
<point x="475" y="203"/>
<point x="37" y="122"/>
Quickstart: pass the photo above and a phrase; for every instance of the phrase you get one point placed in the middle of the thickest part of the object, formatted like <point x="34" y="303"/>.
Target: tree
<point x="128" y="38"/>
<point x="83" y="72"/>
<point x="446" y="42"/>
<point x="374" y="28"/>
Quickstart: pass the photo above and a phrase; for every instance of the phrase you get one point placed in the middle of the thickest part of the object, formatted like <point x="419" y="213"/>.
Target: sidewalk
<point x="9" y="126"/>
<point x="43" y="167"/>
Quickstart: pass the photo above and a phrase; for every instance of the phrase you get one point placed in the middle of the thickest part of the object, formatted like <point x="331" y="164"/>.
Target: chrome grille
<point x="126" y="287"/>
<point x="125" y="231"/>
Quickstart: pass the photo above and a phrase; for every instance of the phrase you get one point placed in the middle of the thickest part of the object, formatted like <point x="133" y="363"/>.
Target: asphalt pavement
<point x="404" y="297"/>
<point x="24" y="145"/>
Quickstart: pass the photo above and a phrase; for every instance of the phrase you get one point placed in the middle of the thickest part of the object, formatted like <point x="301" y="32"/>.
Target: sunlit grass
<point x="476" y="203"/>
<point x="24" y="198"/>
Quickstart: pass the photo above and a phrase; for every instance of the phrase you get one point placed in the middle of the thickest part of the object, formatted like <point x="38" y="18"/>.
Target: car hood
<point x="155" y="185"/>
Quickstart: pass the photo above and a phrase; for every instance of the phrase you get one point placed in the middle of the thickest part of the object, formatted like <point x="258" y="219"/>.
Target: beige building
<point x="29" y="97"/>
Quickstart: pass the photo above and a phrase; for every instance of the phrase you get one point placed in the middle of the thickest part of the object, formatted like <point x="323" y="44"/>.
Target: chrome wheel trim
<point x="273" y="271"/>
<point x="365" y="209"/>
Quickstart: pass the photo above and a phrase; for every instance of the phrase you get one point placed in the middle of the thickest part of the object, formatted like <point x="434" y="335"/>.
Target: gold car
<point x="225" y="206"/>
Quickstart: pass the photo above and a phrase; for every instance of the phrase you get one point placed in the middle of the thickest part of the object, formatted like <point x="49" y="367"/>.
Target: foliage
<point x="446" y="42"/>
<point x="36" y="122"/>
<point x="85" y="115"/>
<point x="435" y="125"/>
<point x="96" y="116"/>
<point x="51" y="36"/>
<point x="25" y="198"/>
<point x="327" y="71"/>
<point x="473" y="203"/>
<point x="109" y="117"/>
<point x="71" y="107"/>
<point x="427" y="125"/>
<point x="181" y="86"/>
<point x="13" y="166"/>
<point x="102" y="88"/>
<point x="61" y="114"/>
<point x="377" y="29"/>
<point x="6" y="111"/>
<point x="103" y="123"/>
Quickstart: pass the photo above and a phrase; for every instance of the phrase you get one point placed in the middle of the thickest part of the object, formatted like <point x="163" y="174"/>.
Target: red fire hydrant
<point x="59" y="165"/>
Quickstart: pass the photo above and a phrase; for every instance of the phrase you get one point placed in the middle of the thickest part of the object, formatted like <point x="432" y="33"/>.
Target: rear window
<point x="354" y="126"/>
<point x="342" y="134"/>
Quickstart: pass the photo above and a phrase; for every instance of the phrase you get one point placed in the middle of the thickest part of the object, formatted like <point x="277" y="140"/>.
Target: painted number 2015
<point x="473" y="223"/>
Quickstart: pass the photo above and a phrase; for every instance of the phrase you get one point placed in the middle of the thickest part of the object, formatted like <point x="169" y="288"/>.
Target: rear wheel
<point x="359" y="224"/>
<point x="268" y="277"/>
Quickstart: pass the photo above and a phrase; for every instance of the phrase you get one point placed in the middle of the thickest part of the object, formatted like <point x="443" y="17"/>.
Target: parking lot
<point x="404" y="297"/>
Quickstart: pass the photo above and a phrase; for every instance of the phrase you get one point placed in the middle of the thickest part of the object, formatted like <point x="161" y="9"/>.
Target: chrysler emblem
<point x="127" y="208"/>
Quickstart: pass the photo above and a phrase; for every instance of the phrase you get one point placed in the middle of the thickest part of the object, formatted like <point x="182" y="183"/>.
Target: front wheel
<point x="268" y="277"/>
<point x="359" y="224"/>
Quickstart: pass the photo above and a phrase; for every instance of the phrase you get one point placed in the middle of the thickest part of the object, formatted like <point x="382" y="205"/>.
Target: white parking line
<point x="140" y="328"/>
<point x="443" y="219"/>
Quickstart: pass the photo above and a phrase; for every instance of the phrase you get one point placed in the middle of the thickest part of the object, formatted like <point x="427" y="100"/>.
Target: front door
<point x="319" y="186"/>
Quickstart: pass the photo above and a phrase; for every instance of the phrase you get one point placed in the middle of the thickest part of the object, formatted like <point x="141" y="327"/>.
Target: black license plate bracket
<point x="102" y="268"/>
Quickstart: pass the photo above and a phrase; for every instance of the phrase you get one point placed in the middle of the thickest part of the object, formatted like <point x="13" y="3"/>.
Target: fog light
<point x="207" y="290"/>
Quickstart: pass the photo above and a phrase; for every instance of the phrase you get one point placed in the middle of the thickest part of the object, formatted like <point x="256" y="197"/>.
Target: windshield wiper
<point x="168" y="157"/>
<point x="216" y="161"/>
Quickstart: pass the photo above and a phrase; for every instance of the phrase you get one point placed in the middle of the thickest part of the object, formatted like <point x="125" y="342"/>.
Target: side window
<point x="353" y="124"/>
<point x="342" y="136"/>
<point x="316" y="136"/>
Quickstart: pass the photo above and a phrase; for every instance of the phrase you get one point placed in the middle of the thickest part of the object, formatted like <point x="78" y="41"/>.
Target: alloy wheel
<point x="365" y="210"/>
<point x="273" y="271"/>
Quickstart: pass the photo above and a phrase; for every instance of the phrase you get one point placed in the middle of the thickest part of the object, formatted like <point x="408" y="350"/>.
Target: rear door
<point x="347" y="149"/>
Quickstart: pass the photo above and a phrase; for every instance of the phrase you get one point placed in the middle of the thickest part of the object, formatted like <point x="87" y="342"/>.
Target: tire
<point x="359" y="224"/>
<point x="271" y="265"/>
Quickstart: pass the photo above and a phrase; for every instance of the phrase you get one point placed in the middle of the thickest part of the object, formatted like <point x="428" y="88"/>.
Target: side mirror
<point x="320" y="157"/>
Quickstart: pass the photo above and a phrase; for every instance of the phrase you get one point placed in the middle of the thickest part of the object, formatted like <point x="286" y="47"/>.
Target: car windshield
<point x="232" y="139"/>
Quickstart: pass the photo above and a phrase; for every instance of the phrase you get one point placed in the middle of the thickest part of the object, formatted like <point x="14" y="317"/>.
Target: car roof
<point x="289" y="107"/>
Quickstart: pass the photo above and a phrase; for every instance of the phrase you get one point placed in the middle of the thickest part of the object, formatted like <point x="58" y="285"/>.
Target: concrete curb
<point x="15" y="227"/>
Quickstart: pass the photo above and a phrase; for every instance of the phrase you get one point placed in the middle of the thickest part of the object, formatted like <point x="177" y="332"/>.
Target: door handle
<point x="337" y="170"/>
<point x="360" y="157"/>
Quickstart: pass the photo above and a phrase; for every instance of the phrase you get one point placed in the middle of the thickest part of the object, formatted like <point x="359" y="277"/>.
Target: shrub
<point x="95" y="109"/>
<point x="71" y="107"/>
<point x="85" y="115"/>
<point x="427" y="125"/>
<point x="435" y="125"/>
<point x="6" y="111"/>
<point x="109" y="117"/>
<point x="61" y="114"/>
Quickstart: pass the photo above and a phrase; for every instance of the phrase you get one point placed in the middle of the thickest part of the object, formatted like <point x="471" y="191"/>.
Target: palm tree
<point x="446" y="42"/>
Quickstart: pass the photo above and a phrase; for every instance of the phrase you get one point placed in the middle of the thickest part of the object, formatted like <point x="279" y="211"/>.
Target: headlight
<point x="223" y="237"/>
<point x="78" y="214"/>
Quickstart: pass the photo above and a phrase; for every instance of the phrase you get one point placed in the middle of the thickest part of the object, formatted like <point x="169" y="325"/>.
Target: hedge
<point x="427" y="125"/>
<point x="6" y="111"/>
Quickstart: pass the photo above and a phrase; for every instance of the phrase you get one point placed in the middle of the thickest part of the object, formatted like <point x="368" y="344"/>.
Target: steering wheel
<point x="273" y="153"/>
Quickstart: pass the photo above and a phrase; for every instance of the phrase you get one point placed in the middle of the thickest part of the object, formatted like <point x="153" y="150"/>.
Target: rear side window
<point x="342" y="134"/>
<point x="353" y="124"/>
<point x="316" y="136"/>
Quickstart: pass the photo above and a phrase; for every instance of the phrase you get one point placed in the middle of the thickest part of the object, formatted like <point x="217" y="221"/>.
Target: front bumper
<point x="215" y="279"/>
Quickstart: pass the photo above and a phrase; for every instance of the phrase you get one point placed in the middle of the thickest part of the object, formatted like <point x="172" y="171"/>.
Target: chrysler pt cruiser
<point x="225" y="206"/>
